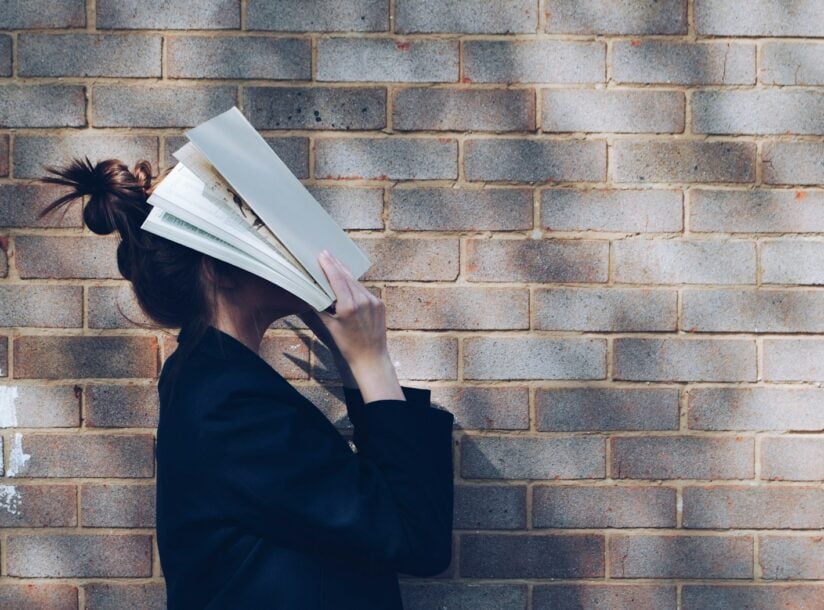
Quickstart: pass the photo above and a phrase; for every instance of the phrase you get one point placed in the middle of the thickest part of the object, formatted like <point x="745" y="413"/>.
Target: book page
<point x="173" y="228"/>
<point x="244" y="159"/>
<point x="221" y="192"/>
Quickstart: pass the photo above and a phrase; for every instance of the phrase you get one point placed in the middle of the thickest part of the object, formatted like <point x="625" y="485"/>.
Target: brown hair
<point x="174" y="285"/>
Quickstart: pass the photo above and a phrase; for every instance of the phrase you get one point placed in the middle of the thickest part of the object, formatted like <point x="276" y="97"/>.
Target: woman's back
<point x="262" y="503"/>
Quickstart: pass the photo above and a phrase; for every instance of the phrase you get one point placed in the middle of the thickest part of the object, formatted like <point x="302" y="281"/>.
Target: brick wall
<point x="597" y="226"/>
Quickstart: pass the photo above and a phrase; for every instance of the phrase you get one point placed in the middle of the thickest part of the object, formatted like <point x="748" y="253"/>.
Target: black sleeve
<point x="283" y="475"/>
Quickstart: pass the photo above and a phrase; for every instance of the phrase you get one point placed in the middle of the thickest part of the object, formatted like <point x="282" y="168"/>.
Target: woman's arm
<point x="279" y="473"/>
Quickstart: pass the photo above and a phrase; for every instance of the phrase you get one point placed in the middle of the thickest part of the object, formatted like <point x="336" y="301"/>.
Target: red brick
<point x="38" y="596"/>
<point x="30" y="505"/>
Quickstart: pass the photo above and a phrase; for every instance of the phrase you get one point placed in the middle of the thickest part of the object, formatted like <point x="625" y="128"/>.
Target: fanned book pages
<point x="230" y="196"/>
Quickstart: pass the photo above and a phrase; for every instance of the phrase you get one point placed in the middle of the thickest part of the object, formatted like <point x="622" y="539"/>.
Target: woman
<point x="261" y="503"/>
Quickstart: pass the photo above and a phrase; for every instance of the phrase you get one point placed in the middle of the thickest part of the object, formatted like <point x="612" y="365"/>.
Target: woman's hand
<point x="358" y="330"/>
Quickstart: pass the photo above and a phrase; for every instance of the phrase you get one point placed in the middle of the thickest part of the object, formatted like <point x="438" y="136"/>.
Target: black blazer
<point x="262" y="503"/>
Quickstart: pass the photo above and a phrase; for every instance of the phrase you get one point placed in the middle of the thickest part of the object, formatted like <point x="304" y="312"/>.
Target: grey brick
<point x="682" y="457"/>
<point x="534" y="358"/>
<point x="40" y="406"/>
<point x="604" y="309"/>
<point x="660" y="597"/>
<point x="521" y="160"/>
<point x="316" y="107"/>
<point x="773" y="210"/>
<point x="293" y="151"/>
<point x="27" y="14"/>
<point x="4" y="364"/>
<point x="5" y="55"/>
<point x="490" y="507"/>
<point x="759" y="18"/>
<point x="168" y="14"/>
<point x="793" y="162"/>
<point x="792" y="262"/>
<point x="121" y="406"/>
<point x="677" y="359"/>
<point x="764" y="408"/>
<point x="486" y="407"/>
<point x="793" y="458"/>
<point x="794" y="360"/>
<point x="387" y="59"/>
<point x="456" y="307"/>
<point x="508" y="457"/>
<point x="4" y="155"/>
<point x="667" y="556"/>
<point x="111" y="595"/>
<point x="645" y="261"/>
<point x="534" y="61"/>
<point x="41" y="305"/>
<point x="351" y="208"/>
<point x="766" y="596"/>
<point x="42" y="106"/>
<point x="683" y="161"/>
<point x="80" y="555"/>
<point x="410" y="259"/>
<point x="236" y="57"/>
<point x="466" y="17"/>
<point x="536" y="260"/>
<point x="424" y="356"/>
<point x="753" y="311"/>
<point x="584" y="507"/>
<point x="88" y="55"/>
<point x="76" y="356"/>
<point x="69" y="455"/>
<point x="625" y="210"/>
<point x="621" y="17"/>
<point x="67" y="257"/>
<point x="463" y="109"/>
<point x="612" y="110"/>
<point x="318" y="15"/>
<point x="751" y="507"/>
<point x="31" y="153"/>
<point x="158" y="105"/>
<point x="683" y="63"/>
<point x="792" y="63"/>
<point x="421" y="595"/>
<point x="532" y="556"/>
<point x="105" y="304"/>
<point x="599" y="409"/>
<point x="20" y="204"/>
<point x="791" y="557"/>
<point x="117" y="505"/>
<point x="769" y="111"/>
<point x="450" y="209"/>
<point x="386" y="158"/>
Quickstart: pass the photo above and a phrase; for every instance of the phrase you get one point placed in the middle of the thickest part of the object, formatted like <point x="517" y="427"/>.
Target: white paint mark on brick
<point x="17" y="459"/>
<point x="8" y="409"/>
<point x="10" y="499"/>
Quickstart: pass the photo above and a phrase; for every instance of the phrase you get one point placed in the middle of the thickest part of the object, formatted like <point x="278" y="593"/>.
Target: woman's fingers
<point x="338" y="280"/>
<point x="355" y="286"/>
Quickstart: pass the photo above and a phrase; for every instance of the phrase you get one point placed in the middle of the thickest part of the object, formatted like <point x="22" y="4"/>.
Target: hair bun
<point x="117" y="197"/>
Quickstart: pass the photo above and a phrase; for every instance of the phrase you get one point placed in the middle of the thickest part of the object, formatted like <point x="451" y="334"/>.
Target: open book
<point x="231" y="197"/>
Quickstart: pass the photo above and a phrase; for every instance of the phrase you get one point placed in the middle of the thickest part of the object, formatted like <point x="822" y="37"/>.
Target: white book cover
<point x="230" y="196"/>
